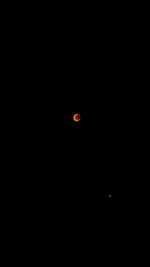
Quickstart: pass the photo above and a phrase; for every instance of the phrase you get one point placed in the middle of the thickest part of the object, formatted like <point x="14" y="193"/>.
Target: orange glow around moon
<point x="77" y="117"/>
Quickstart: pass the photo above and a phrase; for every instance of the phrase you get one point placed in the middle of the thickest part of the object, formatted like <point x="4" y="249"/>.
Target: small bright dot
<point x="109" y="196"/>
<point x="77" y="117"/>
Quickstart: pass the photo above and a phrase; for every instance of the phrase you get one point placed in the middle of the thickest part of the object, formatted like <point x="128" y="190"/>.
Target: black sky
<point x="63" y="59"/>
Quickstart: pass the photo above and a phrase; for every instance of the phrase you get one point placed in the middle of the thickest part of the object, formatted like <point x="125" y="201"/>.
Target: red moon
<point x="77" y="117"/>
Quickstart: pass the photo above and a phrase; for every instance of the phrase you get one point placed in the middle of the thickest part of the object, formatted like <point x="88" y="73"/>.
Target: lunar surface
<point x="77" y="117"/>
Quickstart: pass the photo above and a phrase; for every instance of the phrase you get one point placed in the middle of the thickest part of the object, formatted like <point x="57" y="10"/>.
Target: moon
<point x="77" y="117"/>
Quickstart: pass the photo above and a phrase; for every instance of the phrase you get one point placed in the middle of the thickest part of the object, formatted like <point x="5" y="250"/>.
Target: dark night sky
<point x="74" y="68"/>
<point x="64" y="61"/>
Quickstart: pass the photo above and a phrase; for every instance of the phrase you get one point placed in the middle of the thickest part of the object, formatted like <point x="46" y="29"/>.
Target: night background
<point x="75" y="59"/>
<point x="67" y="181"/>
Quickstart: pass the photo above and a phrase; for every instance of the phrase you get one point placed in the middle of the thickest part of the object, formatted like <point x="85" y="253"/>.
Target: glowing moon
<point x="77" y="117"/>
